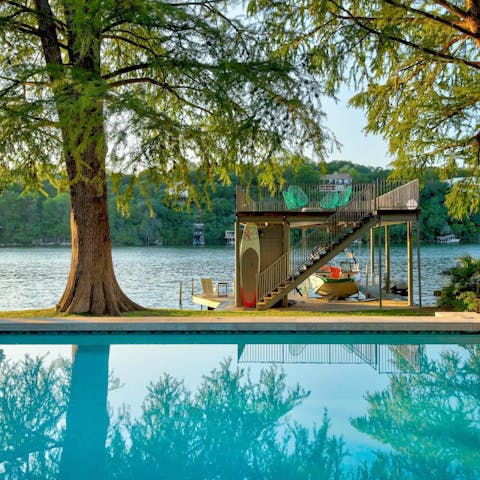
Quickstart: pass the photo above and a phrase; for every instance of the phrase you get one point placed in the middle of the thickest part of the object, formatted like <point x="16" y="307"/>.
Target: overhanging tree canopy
<point x="141" y="84"/>
<point x="417" y="64"/>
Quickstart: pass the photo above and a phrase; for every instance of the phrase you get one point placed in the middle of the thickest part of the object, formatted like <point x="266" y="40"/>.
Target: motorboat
<point x="337" y="281"/>
<point x="448" y="238"/>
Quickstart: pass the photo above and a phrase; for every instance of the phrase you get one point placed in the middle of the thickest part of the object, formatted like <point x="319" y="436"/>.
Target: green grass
<point x="41" y="313"/>
<point x="393" y="312"/>
<point x="160" y="312"/>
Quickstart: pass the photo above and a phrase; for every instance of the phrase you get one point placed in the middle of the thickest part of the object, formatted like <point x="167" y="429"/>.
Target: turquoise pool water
<point x="349" y="407"/>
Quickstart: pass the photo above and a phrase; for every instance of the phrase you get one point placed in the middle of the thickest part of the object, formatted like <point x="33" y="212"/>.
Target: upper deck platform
<point x="310" y="204"/>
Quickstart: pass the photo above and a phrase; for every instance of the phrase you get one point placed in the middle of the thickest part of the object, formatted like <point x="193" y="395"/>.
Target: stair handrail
<point x="272" y="277"/>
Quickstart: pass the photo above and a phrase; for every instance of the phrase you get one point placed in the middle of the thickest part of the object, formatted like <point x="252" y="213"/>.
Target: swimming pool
<point x="240" y="407"/>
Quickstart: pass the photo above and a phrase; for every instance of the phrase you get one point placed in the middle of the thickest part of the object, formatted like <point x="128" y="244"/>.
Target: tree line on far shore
<point x="43" y="219"/>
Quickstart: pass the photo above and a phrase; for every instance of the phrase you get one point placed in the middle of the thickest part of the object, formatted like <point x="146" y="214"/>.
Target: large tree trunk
<point x="92" y="286"/>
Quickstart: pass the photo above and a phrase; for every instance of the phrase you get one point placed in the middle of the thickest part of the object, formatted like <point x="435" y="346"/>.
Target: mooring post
<point x="180" y="294"/>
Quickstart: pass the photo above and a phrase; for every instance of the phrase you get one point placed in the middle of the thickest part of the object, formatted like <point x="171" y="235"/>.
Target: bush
<point x="463" y="291"/>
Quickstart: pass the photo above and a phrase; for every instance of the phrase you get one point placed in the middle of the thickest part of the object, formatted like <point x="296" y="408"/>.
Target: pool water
<point x="354" y="407"/>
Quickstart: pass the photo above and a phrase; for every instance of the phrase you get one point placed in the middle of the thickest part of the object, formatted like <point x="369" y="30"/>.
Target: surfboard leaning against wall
<point x="250" y="264"/>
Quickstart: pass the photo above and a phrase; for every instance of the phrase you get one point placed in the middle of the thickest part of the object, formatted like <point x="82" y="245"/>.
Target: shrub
<point x="463" y="291"/>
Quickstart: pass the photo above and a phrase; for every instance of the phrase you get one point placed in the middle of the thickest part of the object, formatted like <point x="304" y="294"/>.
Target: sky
<point x="347" y="124"/>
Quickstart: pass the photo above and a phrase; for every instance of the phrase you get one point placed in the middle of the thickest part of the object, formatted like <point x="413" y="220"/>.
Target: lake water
<point x="246" y="407"/>
<point x="36" y="277"/>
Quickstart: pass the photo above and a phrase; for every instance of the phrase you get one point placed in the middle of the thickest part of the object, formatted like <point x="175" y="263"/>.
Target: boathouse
<point x="285" y="237"/>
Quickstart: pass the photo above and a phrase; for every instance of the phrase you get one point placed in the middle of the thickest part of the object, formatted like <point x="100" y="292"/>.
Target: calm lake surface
<point x="36" y="277"/>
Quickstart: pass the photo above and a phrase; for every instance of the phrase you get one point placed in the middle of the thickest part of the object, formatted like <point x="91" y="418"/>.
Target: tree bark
<point x="92" y="286"/>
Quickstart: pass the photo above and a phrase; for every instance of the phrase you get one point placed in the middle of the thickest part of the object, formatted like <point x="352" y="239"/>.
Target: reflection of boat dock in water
<point x="381" y="357"/>
<point x="230" y="237"/>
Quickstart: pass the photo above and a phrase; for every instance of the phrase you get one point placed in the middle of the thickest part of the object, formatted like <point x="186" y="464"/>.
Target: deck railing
<point x="275" y="275"/>
<point x="382" y="357"/>
<point x="405" y="196"/>
<point x="318" y="197"/>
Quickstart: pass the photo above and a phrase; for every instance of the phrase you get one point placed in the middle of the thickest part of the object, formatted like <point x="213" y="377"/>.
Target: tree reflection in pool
<point x="55" y="423"/>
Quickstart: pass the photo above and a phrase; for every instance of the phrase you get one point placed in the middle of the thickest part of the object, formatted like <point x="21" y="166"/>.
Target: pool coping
<point x="444" y="322"/>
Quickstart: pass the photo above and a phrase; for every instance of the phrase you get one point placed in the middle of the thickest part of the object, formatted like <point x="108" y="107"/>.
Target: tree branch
<point x="35" y="11"/>
<point x="452" y="8"/>
<point x="402" y="41"/>
<point x="48" y="34"/>
<point x="166" y="86"/>
<point x="131" y="42"/>
<point x="131" y="68"/>
<point x="433" y="17"/>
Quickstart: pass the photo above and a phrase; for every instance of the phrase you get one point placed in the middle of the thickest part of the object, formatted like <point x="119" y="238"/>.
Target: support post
<point x="286" y="249"/>
<point x="380" y="264"/>
<point x="372" y="255"/>
<point x="238" y="302"/>
<point x="419" y="264"/>
<point x="387" y="258"/>
<point x="410" y="263"/>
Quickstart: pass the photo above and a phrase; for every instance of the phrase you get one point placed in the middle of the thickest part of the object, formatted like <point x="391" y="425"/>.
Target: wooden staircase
<point x="317" y="259"/>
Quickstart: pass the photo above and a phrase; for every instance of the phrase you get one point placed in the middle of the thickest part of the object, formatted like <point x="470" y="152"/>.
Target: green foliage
<point x="415" y="68"/>
<point x="463" y="290"/>
<point x="153" y="215"/>
<point x="174" y="84"/>
<point x="28" y="219"/>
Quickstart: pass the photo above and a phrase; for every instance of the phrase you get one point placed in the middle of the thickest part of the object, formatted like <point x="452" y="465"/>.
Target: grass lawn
<point x="159" y="312"/>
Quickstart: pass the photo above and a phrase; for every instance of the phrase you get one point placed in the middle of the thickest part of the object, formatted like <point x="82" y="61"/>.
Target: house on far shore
<point x="198" y="235"/>
<point x="339" y="179"/>
<point x="229" y="237"/>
